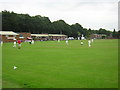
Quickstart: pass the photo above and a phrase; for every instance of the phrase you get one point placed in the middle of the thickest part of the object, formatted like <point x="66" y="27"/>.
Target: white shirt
<point x="89" y="41"/>
<point x="14" y="42"/>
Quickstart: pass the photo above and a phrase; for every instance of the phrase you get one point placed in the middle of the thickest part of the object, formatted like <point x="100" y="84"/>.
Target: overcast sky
<point x="92" y="14"/>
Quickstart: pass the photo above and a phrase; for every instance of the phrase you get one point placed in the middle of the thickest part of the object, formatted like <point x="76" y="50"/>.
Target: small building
<point x="57" y="36"/>
<point x="24" y="36"/>
<point x="40" y="37"/>
<point x="8" y="36"/>
<point x="98" y="36"/>
<point x="45" y="37"/>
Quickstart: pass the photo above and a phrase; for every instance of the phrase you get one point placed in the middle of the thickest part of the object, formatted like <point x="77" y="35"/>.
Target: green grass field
<point x="50" y="64"/>
<point x="0" y="67"/>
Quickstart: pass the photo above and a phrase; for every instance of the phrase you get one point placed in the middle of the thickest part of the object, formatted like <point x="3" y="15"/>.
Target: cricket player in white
<point x="92" y="40"/>
<point x="67" y="41"/>
<point x="89" y="43"/>
<point x="58" y="40"/>
<point x="14" y="44"/>
<point x="32" y="42"/>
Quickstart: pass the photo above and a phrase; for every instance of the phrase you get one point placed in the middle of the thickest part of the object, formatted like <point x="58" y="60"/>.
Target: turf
<point x="0" y="67"/>
<point x="50" y="64"/>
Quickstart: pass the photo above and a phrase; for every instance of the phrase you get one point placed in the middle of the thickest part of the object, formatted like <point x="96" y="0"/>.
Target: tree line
<point x="40" y="24"/>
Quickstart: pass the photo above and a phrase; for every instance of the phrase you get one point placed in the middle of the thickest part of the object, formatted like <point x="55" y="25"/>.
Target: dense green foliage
<point x="50" y="64"/>
<point x="39" y="24"/>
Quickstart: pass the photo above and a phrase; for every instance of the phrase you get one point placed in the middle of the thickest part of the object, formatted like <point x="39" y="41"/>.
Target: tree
<point x="114" y="34"/>
<point x="40" y="24"/>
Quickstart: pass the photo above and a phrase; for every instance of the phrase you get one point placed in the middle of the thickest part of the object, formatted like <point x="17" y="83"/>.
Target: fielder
<point x="67" y="41"/>
<point x="58" y="40"/>
<point x="89" y="43"/>
<point x="32" y="42"/>
<point x="14" y="44"/>
<point x="92" y="40"/>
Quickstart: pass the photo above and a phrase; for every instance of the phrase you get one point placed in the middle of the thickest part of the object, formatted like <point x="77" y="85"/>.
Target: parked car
<point x="71" y="38"/>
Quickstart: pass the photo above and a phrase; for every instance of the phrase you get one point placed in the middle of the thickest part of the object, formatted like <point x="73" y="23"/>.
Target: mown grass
<point x="50" y="64"/>
<point x="0" y="67"/>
